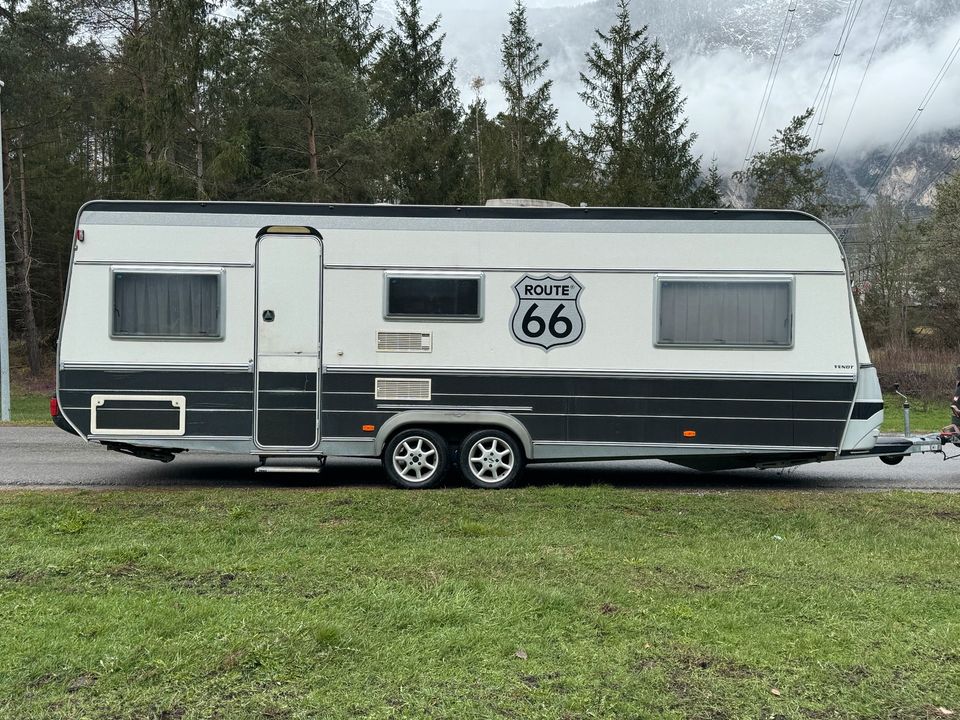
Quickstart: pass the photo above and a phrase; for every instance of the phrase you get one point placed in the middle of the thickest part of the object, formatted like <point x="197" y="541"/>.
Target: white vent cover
<point x="402" y="389"/>
<point x="419" y="342"/>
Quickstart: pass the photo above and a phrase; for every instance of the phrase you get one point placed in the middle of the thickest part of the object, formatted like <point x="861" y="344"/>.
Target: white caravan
<point x="482" y="337"/>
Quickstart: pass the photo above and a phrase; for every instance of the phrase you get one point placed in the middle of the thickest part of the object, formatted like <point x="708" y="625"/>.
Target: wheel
<point x="416" y="458"/>
<point x="490" y="459"/>
<point x="891" y="459"/>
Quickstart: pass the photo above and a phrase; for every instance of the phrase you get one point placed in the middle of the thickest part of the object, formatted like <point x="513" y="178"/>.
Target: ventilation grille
<point x="402" y="389"/>
<point x="404" y="342"/>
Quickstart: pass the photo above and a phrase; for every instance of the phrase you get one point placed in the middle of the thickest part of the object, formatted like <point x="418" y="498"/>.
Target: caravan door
<point x="288" y="341"/>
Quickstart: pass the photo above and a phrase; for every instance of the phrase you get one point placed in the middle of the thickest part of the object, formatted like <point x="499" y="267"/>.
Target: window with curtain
<point x="433" y="297"/>
<point x="167" y="305"/>
<point x="751" y="313"/>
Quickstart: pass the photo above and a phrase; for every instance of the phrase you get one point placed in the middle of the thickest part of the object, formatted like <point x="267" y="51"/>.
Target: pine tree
<point x="530" y="117"/>
<point x="612" y="85"/>
<point x="420" y="112"/>
<point x="710" y="192"/>
<point x="638" y="141"/>
<point x="668" y="172"/>
<point x="46" y="161"/>
<point x="312" y="110"/>
<point x="785" y="176"/>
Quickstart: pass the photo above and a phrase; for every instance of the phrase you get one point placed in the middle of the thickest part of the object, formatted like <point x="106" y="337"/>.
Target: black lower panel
<point x="287" y="428"/>
<point x="617" y="409"/>
<point x="133" y="419"/>
<point x="219" y="402"/>
<point x="287" y="409"/>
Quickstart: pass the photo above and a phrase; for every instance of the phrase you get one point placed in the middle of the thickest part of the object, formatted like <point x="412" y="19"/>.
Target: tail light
<point x="54" y="407"/>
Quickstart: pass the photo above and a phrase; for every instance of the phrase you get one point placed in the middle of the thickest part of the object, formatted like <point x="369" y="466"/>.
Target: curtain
<point x="166" y="304"/>
<point x="725" y="313"/>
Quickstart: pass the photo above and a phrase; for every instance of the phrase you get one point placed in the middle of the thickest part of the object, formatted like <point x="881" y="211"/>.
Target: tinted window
<point x="712" y="312"/>
<point x="179" y="305"/>
<point x="449" y="297"/>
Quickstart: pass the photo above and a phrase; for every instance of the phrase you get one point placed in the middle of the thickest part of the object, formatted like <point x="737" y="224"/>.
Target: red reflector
<point x="54" y="407"/>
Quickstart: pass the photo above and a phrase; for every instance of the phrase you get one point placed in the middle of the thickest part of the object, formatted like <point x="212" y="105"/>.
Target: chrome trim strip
<point x="166" y="440"/>
<point x="619" y="271"/>
<point x="763" y="448"/>
<point x="216" y="392"/>
<point x="602" y="397"/>
<point x="680" y="417"/>
<point x="613" y="372"/>
<point x="174" y="264"/>
<point x="494" y="408"/>
<point x="122" y="365"/>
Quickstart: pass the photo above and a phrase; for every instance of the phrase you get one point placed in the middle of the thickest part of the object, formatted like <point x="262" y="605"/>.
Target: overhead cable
<point x="771" y="80"/>
<point x="832" y="84"/>
<point x="856" y="96"/>
<point x="821" y="89"/>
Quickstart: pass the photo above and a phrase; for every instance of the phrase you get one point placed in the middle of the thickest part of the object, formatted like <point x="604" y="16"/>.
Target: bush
<point x="923" y="373"/>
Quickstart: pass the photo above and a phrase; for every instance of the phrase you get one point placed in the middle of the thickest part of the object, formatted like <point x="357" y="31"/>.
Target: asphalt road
<point x="45" y="457"/>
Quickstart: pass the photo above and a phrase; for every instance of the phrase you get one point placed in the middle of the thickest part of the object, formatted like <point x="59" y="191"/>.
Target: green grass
<point x="388" y="604"/>
<point x="926" y="416"/>
<point x="29" y="408"/>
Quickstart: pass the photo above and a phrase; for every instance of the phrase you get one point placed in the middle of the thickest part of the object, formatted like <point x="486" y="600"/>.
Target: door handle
<point x="268" y="315"/>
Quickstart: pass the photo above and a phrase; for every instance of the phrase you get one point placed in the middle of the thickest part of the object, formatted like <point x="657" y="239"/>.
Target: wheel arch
<point x="437" y="418"/>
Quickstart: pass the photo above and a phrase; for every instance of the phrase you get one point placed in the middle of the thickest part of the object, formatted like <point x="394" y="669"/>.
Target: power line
<point x="832" y="85"/>
<point x="808" y="129"/>
<point x="771" y="80"/>
<point x="863" y="78"/>
<point x="924" y="101"/>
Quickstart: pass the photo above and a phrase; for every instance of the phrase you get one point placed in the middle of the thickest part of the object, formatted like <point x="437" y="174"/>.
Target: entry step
<point x="288" y="469"/>
<point x="291" y="464"/>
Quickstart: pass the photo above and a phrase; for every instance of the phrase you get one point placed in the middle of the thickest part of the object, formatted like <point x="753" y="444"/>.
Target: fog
<point x="723" y="76"/>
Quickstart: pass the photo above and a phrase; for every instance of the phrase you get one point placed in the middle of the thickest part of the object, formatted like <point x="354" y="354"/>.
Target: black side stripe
<point x="865" y="410"/>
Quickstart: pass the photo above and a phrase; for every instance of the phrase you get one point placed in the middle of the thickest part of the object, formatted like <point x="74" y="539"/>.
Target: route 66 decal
<point x="548" y="311"/>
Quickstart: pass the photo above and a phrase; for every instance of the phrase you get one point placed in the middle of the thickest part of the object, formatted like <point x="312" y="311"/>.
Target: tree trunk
<point x="476" y="116"/>
<point x="198" y="146"/>
<point x="23" y="262"/>
<point x="312" y="153"/>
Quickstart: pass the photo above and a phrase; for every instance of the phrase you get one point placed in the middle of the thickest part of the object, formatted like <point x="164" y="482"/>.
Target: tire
<point x="491" y="459"/>
<point x="416" y="458"/>
<point x="891" y="459"/>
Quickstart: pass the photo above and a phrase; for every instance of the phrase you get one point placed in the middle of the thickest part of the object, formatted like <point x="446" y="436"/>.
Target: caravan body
<point x="711" y="338"/>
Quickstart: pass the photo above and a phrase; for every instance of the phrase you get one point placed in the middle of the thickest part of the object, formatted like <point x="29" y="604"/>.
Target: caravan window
<point x="725" y="311"/>
<point x="173" y="305"/>
<point x="433" y="297"/>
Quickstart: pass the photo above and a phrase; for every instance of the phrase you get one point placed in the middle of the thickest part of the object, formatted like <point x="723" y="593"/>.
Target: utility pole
<point x="4" y="327"/>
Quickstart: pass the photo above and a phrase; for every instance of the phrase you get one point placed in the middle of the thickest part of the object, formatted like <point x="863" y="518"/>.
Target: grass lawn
<point x="536" y="603"/>
<point x="926" y="416"/>
<point x="29" y="408"/>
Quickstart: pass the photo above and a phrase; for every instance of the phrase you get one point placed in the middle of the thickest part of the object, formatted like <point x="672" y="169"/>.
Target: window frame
<point x="218" y="272"/>
<point x="434" y="275"/>
<point x="766" y="278"/>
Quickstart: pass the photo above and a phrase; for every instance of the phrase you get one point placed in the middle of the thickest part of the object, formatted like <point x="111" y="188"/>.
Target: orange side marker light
<point x="689" y="433"/>
<point x="368" y="428"/>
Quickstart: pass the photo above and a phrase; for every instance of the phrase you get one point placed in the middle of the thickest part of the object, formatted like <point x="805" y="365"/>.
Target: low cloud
<point x="724" y="85"/>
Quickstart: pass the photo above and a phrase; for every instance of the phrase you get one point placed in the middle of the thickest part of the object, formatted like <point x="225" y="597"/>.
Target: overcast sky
<point x="724" y="87"/>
